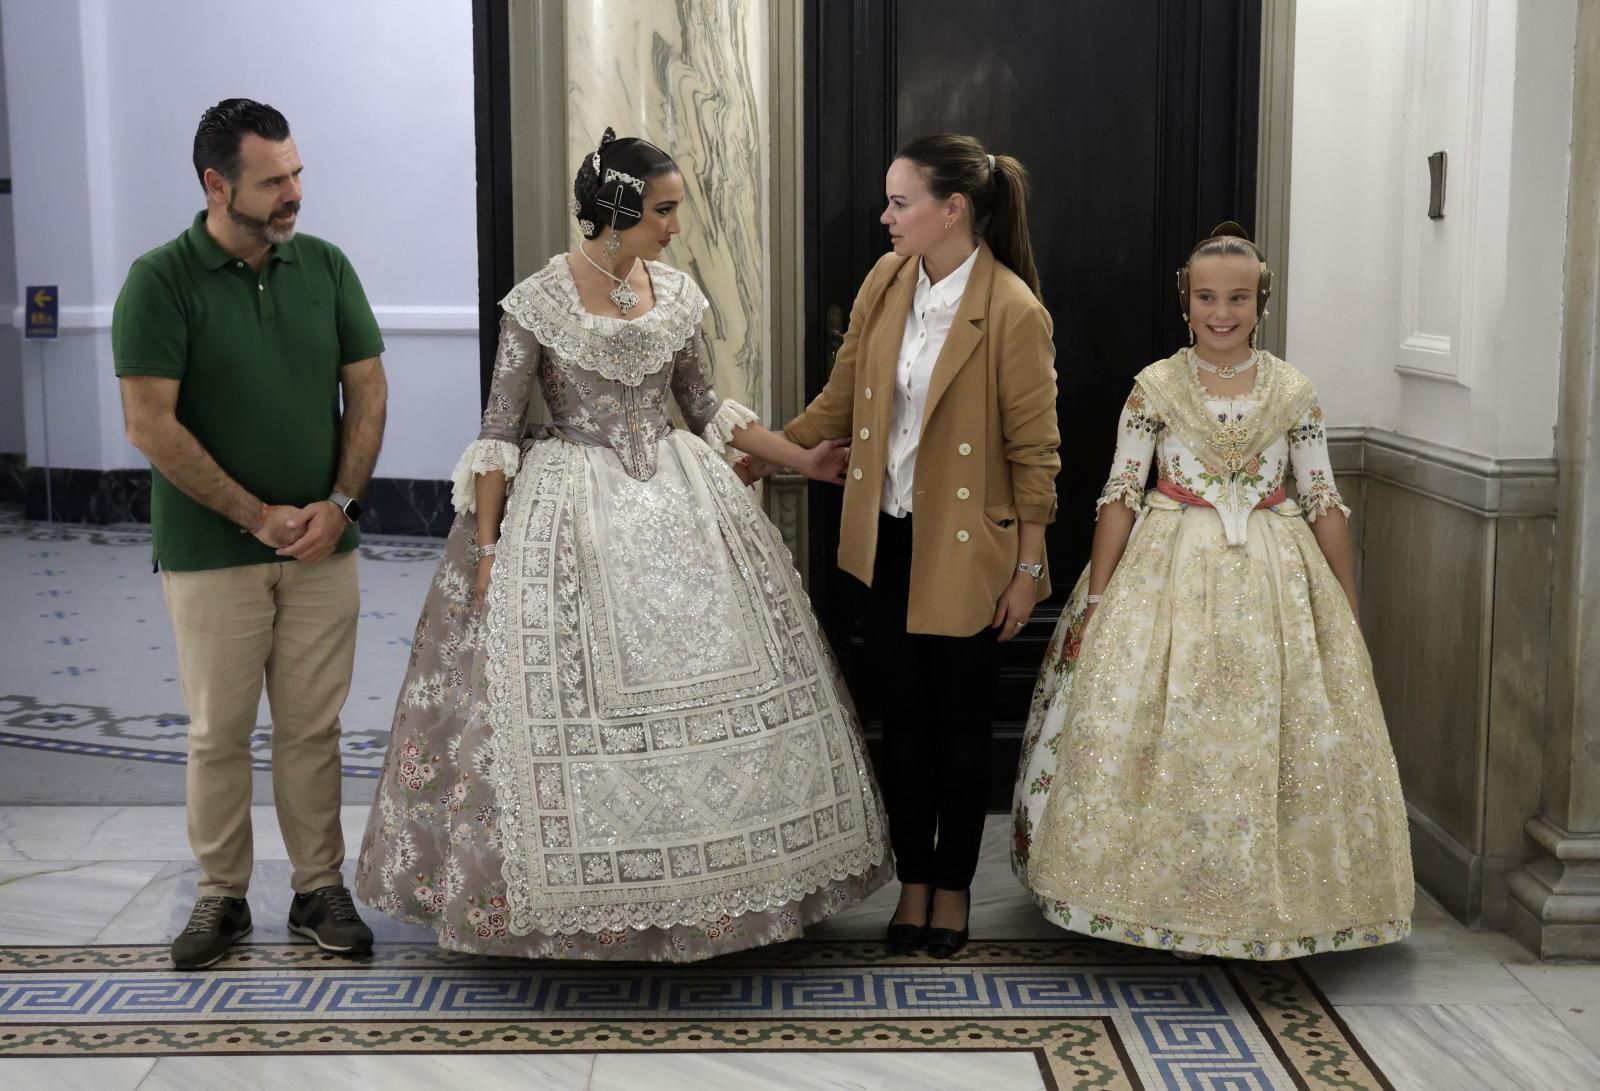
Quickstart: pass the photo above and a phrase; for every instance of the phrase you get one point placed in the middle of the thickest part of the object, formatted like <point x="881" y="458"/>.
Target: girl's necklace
<point x="1219" y="372"/>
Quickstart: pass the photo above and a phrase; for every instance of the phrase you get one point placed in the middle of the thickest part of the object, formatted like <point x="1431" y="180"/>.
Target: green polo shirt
<point x="257" y="358"/>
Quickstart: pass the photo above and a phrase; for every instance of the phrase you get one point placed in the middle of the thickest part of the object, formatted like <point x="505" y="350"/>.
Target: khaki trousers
<point x="293" y="626"/>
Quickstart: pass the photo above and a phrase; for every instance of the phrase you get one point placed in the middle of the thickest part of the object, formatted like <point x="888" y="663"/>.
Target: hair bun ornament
<point x="1230" y="229"/>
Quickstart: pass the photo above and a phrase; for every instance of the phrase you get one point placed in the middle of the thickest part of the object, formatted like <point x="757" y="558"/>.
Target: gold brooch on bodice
<point x="1232" y="442"/>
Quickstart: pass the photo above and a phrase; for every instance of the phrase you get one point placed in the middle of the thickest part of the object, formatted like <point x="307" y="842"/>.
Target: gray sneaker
<point x="328" y="916"/>
<point x="214" y="926"/>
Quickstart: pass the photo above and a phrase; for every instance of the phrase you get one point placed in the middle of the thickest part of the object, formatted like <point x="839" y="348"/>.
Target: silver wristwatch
<point x="350" y="506"/>
<point x="1034" y="570"/>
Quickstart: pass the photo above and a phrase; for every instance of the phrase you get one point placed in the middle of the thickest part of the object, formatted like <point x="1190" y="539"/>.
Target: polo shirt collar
<point x="214" y="257"/>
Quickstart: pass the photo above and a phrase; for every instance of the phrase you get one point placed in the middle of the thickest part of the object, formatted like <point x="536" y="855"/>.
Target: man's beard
<point x="264" y="230"/>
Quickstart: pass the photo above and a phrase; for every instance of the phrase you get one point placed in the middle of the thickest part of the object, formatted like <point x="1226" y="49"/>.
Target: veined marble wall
<point x="692" y="77"/>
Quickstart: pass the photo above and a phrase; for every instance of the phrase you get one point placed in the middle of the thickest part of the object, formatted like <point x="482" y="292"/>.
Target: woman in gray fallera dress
<point x="638" y="745"/>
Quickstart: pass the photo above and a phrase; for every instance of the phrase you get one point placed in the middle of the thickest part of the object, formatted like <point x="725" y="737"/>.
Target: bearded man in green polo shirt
<point x="233" y="345"/>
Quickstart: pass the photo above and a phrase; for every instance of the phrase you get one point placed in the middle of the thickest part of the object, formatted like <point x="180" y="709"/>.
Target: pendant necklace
<point x="622" y="295"/>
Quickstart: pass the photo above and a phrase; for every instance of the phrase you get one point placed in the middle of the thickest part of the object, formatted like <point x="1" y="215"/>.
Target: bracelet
<point x="1094" y="600"/>
<point x="482" y="552"/>
<point x="261" y="521"/>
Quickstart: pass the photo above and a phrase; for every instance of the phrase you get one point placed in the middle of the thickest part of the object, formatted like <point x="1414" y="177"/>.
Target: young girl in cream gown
<point x="1206" y="768"/>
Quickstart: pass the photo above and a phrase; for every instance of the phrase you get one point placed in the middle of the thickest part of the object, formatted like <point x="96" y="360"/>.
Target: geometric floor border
<point x="1093" y="1015"/>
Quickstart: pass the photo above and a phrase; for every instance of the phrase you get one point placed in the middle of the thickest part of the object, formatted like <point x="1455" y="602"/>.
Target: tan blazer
<point x="987" y="457"/>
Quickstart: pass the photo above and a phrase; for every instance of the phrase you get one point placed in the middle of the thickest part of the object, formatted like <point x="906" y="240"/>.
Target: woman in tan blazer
<point x="945" y="389"/>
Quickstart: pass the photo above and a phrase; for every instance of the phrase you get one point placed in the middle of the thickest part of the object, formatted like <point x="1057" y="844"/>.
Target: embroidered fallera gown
<point x="642" y="748"/>
<point x="1206" y="766"/>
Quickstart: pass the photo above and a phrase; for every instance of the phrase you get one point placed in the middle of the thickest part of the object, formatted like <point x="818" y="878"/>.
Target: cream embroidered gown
<point x="1206" y="766"/>
<point x="642" y="749"/>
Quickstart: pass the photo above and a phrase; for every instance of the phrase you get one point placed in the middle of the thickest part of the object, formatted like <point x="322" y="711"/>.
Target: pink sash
<point x="1183" y="496"/>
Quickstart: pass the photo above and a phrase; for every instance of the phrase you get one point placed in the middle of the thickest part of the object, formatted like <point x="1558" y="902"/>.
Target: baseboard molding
<point x="1472" y="888"/>
<point x="410" y="507"/>
<point x="1446" y="869"/>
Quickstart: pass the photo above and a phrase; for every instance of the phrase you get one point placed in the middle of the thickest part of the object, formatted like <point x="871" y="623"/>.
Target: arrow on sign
<point x="42" y="298"/>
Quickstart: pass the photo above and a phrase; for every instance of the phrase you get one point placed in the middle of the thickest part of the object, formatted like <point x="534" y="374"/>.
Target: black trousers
<point x="938" y="698"/>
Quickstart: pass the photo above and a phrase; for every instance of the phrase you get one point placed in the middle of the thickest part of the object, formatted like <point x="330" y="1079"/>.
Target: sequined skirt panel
<point x="1206" y="765"/>
<point x="642" y="749"/>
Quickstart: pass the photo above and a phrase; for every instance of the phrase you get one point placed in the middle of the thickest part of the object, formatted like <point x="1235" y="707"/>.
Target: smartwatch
<point x="347" y="504"/>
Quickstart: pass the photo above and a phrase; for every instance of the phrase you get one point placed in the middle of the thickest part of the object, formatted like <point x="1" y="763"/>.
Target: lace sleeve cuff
<point x="730" y="415"/>
<point x="1121" y="493"/>
<point x="1126" y="487"/>
<point x="1320" y="501"/>
<point x="481" y="457"/>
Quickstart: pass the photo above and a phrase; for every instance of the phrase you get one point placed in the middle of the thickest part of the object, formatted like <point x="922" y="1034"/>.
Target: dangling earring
<point x="948" y="224"/>
<point x="1190" y="329"/>
<point x="613" y="243"/>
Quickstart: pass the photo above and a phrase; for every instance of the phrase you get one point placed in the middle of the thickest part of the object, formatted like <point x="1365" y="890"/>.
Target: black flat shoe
<point x="945" y="942"/>
<point x="902" y="939"/>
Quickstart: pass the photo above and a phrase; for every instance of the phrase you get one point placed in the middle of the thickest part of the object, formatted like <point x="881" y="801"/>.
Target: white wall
<point x="104" y="97"/>
<point x="1445" y="330"/>
<point x="12" y="431"/>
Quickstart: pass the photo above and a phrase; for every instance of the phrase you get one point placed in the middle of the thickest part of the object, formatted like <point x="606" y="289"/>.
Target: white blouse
<point x="933" y="312"/>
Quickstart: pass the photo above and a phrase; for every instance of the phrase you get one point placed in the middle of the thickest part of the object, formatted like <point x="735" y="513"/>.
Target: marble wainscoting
<point x="13" y="478"/>
<point x="411" y="507"/>
<point x="1455" y="557"/>
<point x="87" y="496"/>
<point x="691" y="76"/>
<point x="407" y="506"/>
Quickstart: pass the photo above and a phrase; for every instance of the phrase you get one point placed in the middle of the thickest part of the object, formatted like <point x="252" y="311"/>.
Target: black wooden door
<point x="1137" y="122"/>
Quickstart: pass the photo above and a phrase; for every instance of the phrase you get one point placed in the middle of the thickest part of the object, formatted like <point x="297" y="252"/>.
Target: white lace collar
<point x="623" y="350"/>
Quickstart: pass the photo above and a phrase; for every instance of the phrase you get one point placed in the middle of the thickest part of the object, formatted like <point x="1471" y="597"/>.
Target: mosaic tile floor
<point x="1090" y="1015"/>
<point x="91" y="671"/>
<point x="96" y="876"/>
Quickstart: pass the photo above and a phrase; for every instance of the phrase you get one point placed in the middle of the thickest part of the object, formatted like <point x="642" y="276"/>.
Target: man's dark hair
<point x="222" y="129"/>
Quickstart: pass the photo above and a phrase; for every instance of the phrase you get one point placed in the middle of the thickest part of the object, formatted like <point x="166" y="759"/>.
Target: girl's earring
<point x="613" y="243"/>
<point x="1190" y="329"/>
<point x="948" y="224"/>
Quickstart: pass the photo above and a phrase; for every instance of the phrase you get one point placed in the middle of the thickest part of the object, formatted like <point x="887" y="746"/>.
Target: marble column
<point x="1555" y="897"/>
<point x="692" y="77"/>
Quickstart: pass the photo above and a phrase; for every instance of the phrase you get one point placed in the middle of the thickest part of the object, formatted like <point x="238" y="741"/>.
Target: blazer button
<point x="869" y="393"/>
<point x="856" y="473"/>
<point x="866" y="433"/>
<point x="965" y="448"/>
<point x="963" y="492"/>
<point x="962" y="535"/>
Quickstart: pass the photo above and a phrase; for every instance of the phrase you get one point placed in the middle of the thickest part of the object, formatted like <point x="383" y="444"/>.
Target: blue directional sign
<point x="42" y="313"/>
